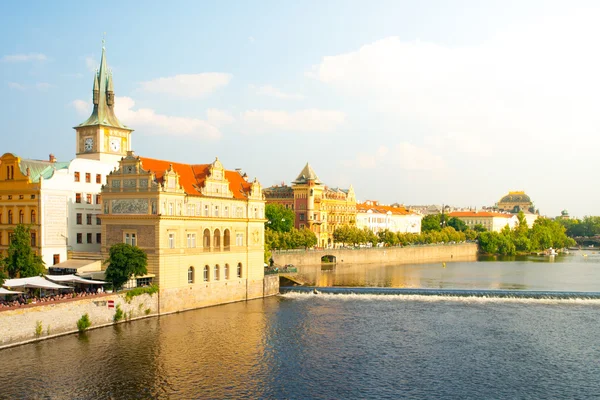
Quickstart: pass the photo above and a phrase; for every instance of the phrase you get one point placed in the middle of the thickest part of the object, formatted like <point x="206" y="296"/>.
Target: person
<point x="271" y="262"/>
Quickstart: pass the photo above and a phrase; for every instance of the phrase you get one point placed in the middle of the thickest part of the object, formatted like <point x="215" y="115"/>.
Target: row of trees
<point x="280" y="232"/>
<point x="588" y="226"/>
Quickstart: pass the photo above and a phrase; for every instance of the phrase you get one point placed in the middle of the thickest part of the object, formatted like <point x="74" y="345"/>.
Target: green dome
<point x="516" y="198"/>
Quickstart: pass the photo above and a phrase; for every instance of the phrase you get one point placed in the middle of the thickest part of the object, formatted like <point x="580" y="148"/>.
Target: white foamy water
<point x="304" y="296"/>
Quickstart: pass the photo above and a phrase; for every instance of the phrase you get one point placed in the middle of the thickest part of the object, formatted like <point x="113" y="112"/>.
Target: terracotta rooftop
<point x="192" y="176"/>
<point x="364" y="207"/>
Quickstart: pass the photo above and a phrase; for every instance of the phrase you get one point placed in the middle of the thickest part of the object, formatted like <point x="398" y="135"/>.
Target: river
<point x="329" y="346"/>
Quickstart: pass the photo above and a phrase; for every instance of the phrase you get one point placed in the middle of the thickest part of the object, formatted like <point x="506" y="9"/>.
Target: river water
<point x="331" y="346"/>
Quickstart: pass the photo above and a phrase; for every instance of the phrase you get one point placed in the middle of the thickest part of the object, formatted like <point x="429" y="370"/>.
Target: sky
<point x="429" y="102"/>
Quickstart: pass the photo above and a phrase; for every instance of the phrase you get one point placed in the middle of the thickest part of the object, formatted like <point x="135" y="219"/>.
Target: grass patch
<point x="38" y="328"/>
<point x="141" y="290"/>
<point x="118" y="314"/>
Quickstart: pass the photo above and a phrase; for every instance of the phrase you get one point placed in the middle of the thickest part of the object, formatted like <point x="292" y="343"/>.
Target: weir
<point x="524" y="294"/>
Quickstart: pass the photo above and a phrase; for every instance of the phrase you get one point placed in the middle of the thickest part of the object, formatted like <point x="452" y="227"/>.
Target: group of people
<point x="24" y="299"/>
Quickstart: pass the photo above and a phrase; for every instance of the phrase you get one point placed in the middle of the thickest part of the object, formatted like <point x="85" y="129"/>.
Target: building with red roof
<point x="378" y="218"/>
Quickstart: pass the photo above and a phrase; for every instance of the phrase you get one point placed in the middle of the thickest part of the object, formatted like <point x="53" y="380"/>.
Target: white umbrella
<point x="4" y="291"/>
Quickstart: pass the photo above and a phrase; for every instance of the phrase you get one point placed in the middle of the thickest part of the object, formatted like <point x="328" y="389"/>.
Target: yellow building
<point x="492" y="221"/>
<point x="201" y="226"/>
<point x="318" y="207"/>
<point x="20" y="196"/>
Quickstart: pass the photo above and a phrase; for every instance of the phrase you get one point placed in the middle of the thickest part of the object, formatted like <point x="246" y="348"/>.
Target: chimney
<point x="52" y="158"/>
<point x="27" y="171"/>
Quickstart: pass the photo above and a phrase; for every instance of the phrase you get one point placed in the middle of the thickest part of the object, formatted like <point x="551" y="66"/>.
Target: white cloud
<point x="16" y="86"/>
<point x="268" y="90"/>
<point x="83" y="108"/>
<point x="251" y="39"/>
<point x="24" y="57"/>
<point x="43" y="86"/>
<point x="148" y="121"/>
<point x="311" y="120"/>
<point x="413" y="158"/>
<point x="219" y="118"/>
<point x="188" y="85"/>
<point x="91" y="64"/>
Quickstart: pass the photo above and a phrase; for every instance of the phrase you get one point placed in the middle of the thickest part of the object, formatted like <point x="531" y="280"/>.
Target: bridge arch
<point x="328" y="259"/>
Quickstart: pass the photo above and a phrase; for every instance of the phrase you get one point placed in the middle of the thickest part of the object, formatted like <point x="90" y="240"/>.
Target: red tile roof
<point x="192" y="176"/>
<point x="364" y="207"/>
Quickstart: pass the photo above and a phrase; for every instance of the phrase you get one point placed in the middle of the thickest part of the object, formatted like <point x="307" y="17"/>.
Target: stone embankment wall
<point x="59" y="318"/>
<point x="382" y="255"/>
<point x="18" y="326"/>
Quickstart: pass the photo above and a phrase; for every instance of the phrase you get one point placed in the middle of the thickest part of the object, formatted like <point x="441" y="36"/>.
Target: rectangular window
<point x="98" y="178"/>
<point x="98" y="199"/>
<point x="33" y="197"/>
<point x="239" y="239"/>
<point x="55" y="259"/>
<point x="301" y="216"/>
<point x="79" y="218"/>
<point x="80" y="238"/>
<point x="216" y="211"/>
<point x="206" y="210"/>
<point x="88" y="219"/>
<point x="130" y="238"/>
<point x="98" y="220"/>
<point x="171" y="240"/>
<point x="226" y="211"/>
<point x="170" y="208"/>
<point x="33" y="239"/>
<point x="191" y="240"/>
<point x="77" y="197"/>
<point x="98" y="238"/>
<point x="89" y="238"/>
<point x="76" y="176"/>
<point x="88" y="198"/>
<point x="88" y="177"/>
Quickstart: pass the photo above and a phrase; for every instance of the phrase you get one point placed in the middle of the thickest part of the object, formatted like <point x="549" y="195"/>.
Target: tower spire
<point x="103" y="97"/>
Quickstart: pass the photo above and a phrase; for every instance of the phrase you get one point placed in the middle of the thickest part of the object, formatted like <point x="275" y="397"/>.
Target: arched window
<point x="191" y="275"/>
<point x="10" y="216"/>
<point x="217" y="272"/>
<point x="206" y="240"/>
<point x="226" y="271"/>
<point x="217" y="240"/>
<point x="33" y="216"/>
<point x="239" y="270"/>
<point x="206" y="272"/>
<point x="21" y="217"/>
<point x="226" y="240"/>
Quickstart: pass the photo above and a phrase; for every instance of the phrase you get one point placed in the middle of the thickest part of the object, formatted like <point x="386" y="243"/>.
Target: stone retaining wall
<point x="382" y="255"/>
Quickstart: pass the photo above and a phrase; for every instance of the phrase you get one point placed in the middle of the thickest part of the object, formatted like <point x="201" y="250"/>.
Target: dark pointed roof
<point x="307" y="174"/>
<point x="103" y="114"/>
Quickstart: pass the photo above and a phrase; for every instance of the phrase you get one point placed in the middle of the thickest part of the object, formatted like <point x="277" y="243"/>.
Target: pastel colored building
<point x="378" y="218"/>
<point x="492" y="221"/>
<point x="317" y="207"/>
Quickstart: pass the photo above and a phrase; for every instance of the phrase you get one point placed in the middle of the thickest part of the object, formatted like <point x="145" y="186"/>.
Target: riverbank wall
<point x="35" y="322"/>
<point x="381" y="255"/>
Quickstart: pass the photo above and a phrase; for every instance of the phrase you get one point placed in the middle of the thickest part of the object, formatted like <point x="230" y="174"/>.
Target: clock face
<point x="88" y="144"/>
<point x="115" y="144"/>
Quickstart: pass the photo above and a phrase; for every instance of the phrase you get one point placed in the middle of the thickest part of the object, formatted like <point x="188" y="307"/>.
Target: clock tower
<point x="102" y="136"/>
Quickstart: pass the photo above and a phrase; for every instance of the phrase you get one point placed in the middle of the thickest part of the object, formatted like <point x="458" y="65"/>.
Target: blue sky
<point x="411" y="102"/>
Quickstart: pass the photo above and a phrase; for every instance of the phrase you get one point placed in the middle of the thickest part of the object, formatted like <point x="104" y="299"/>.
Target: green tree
<point x="280" y="218"/>
<point x="479" y="228"/>
<point x="457" y="224"/>
<point x="21" y="261"/>
<point x="125" y="261"/>
<point x="431" y="222"/>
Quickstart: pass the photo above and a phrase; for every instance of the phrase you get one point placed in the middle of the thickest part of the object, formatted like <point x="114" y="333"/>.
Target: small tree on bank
<point x="22" y="262"/>
<point x="125" y="261"/>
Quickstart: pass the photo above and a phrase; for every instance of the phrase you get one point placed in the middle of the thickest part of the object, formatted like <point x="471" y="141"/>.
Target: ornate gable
<point x="216" y="184"/>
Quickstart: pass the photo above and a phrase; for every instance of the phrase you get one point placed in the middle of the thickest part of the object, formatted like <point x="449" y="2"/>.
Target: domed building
<point x="516" y="201"/>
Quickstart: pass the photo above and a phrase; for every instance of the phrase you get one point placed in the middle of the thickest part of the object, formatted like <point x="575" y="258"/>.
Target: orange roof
<point x="192" y="176"/>
<point x="459" y="214"/>
<point x="364" y="207"/>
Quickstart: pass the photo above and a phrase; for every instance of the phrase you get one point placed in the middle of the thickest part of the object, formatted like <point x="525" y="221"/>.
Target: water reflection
<point x="574" y="272"/>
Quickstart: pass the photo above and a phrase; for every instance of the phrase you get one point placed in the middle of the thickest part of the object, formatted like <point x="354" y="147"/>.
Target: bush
<point x="118" y="314"/>
<point x="38" y="328"/>
<point x="84" y="323"/>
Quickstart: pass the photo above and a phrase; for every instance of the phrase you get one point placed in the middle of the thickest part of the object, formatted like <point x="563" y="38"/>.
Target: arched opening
<point x="217" y="240"/>
<point x="328" y="259"/>
<point x="226" y="271"/>
<point x="239" y="270"/>
<point x="10" y="221"/>
<point x="33" y="216"/>
<point x="206" y="273"/>
<point x="226" y="240"/>
<point x="21" y="217"/>
<point x="206" y="240"/>
<point x="217" y="277"/>
<point x="191" y="275"/>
